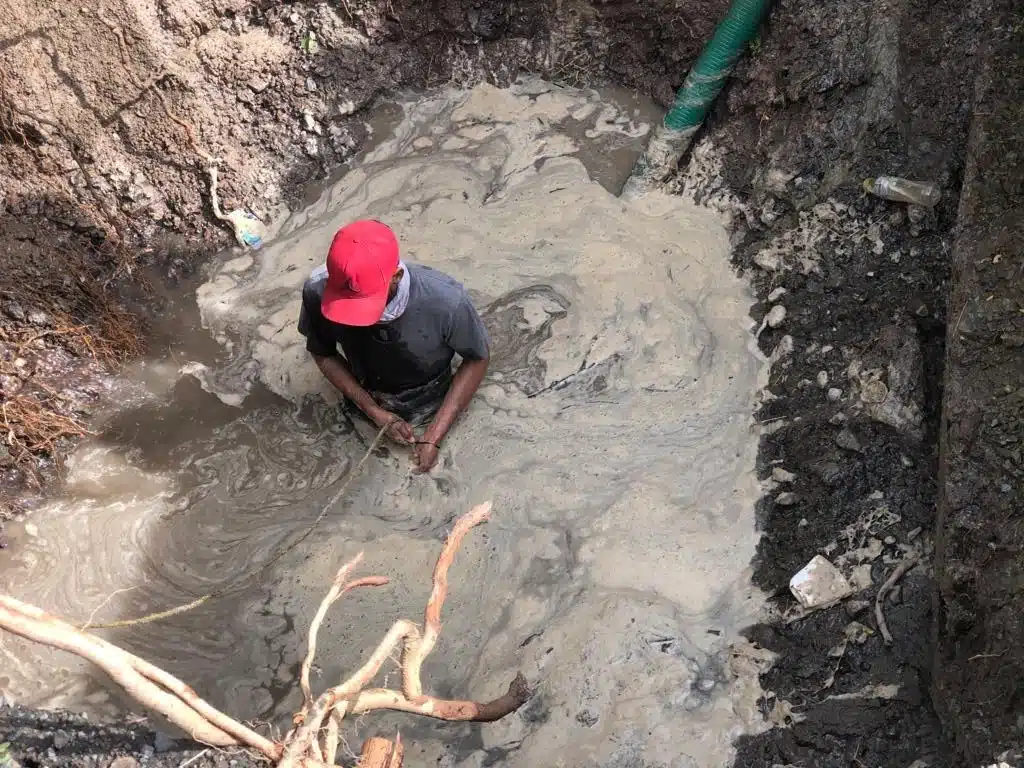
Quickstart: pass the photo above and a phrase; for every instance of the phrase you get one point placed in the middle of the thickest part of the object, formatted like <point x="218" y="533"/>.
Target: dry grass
<point x="83" y="320"/>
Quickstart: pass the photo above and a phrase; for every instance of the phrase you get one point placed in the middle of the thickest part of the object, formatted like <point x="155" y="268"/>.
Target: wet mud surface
<point x="614" y="428"/>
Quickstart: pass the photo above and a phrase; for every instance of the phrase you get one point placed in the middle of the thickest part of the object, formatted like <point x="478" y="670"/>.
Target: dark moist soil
<point x="979" y="661"/>
<point x="833" y="94"/>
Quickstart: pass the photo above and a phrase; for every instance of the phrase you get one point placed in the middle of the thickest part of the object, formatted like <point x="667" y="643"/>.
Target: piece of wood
<point x="381" y="753"/>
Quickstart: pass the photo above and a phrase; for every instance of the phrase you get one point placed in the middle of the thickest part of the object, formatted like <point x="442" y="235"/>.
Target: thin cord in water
<point x="152" y="617"/>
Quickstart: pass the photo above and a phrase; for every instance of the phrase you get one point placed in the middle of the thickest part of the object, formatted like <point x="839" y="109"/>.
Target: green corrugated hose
<point x="696" y="95"/>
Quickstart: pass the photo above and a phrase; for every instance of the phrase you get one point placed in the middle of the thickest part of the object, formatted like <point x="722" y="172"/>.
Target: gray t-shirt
<point x="409" y="353"/>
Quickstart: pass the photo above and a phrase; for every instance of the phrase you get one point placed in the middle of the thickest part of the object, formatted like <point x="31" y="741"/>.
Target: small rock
<point x="38" y="317"/>
<point x="803" y="523"/>
<point x="124" y="762"/>
<point x="259" y="84"/>
<point x="856" y="607"/>
<point x="786" y="499"/>
<point x="15" y="311"/>
<point x="914" y="534"/>
<point x="781" y="475"/>
<point x="20" y="362"/>
<point x="783" y="349"/>
<point x="776" y="316"/>
<point x="31" y="530"/>
<point x="706" y="685"/>
<point x="834" y="394"/>
<point x="826" y="349"/>
<point x="311" y="124"/>
<point x="776" y="294"/>
<point x="310" y="84"/>
<point x="819" y="583"/>
<point x="837" y="419"/>
<point x="61" y="739"/>
<point x="889" y="540"/>
<point x="848" y="441"/>
<point x="860" y="577"/>
<point x="768" y="261"/>
<point x="312" y="147"/>
<point x="822" y="379"/>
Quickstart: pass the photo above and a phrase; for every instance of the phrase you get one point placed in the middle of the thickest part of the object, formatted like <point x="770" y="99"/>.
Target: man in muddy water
<point x="385" y="334"/>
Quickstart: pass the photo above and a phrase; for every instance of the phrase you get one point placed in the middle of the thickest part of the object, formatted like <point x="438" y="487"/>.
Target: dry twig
<point x="157" y="690"/>
<point x="884" y="591"/>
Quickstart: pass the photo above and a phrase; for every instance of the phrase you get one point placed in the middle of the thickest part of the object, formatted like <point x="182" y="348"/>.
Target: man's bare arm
<point x="336" y="371"/>
<point x="464" y="386"/>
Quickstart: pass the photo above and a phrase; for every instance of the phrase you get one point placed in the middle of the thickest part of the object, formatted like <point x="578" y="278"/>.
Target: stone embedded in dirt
<point x="787" y="499"/>
<point x="848" y="441"/>
<point x="259" y="84"/>
<point x="767" y="261"/>
<point x="822" y="379"/>
<point x="124" y="762"/>
<point x="781" y="475"/>
<point x="783" y="349"/>
<point x="776" y="294"/>
<point x="15" y="311"/>
<point x="819" y="584"/>
<point x="834" y="394"/>
<point x="38" y="317"/>
<point x="856" y="607"/>
<point x="776" y="316"/>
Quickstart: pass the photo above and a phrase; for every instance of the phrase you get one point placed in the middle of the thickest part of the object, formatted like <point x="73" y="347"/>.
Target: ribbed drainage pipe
<point x="696" y="95"/>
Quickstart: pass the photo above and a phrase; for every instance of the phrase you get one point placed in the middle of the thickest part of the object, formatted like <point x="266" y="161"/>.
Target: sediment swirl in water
<point x="613" y="435"/>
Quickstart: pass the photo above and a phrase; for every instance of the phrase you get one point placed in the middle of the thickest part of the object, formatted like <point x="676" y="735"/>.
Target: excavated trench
<point x="630" y="570"/>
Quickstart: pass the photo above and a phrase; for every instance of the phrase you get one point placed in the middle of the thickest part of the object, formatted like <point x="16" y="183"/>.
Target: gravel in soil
<point x="831" y="96"/>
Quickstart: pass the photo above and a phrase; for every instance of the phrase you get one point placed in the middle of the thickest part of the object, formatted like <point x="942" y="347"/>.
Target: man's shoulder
<point x="315" y="283"/>
<point x="437" y="285"/>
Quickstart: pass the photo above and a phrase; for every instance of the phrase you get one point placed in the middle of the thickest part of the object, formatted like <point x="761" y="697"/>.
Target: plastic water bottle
<point x="903" y="191"/>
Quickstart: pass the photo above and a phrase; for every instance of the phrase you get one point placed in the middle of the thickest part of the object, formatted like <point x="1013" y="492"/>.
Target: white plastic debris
<point x="818" y="584"/>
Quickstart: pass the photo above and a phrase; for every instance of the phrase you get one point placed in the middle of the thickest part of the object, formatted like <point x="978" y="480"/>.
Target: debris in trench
<point x="314" y="739"/>
<point x="249" y="230"/>
<point x="819" y="584"/>
<point x="884" y="591"/>
<point x="775" y="317"/>
<point x="899" y="190"/>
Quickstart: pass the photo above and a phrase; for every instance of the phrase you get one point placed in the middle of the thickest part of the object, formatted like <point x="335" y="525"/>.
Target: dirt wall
<point x="979" y="664"/>
<point x="109" y="117"/>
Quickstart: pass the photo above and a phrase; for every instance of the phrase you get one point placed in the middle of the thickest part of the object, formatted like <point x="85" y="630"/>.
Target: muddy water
<point x="613" y="435"/>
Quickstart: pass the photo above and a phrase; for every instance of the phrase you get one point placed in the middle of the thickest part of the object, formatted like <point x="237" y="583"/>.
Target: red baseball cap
<point x="360" y="264"/>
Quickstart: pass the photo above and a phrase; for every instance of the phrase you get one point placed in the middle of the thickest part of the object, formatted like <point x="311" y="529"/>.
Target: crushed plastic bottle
<point x="904" y="191"/>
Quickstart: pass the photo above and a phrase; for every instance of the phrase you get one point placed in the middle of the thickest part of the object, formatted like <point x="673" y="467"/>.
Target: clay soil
<point x="103" y="182"/>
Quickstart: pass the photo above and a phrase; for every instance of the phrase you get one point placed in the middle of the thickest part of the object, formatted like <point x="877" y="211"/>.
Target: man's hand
<point x="425" y="455"/>
<point x="398" y="430"/>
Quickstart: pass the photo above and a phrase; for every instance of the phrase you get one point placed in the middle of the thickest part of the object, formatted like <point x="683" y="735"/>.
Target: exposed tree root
<point x="313" y="742"/>
<point x="883" y="593"/>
